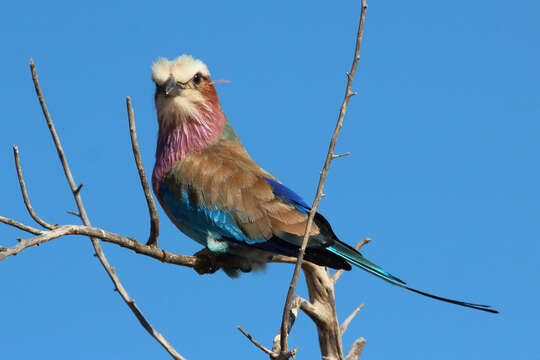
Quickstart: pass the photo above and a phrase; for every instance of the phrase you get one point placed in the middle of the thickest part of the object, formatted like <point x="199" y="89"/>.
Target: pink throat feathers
<point x="186" y="135"/>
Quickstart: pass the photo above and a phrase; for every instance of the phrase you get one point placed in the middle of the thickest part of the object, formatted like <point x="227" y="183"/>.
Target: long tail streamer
<point x="354" y="257"/>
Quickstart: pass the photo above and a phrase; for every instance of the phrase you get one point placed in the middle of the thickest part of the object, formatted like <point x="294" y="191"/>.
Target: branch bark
<point x="272" y="354"/>
<point x="297" y="303"/>
<point x="356" y="349"/>
<point x="350" y="318"/>
<point x="152" y="210"/>
<point x="195" y="262"/>
<point x="321" y="295"/>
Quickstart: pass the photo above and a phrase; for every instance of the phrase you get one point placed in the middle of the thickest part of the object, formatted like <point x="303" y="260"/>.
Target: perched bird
<point x="215" y="193"/>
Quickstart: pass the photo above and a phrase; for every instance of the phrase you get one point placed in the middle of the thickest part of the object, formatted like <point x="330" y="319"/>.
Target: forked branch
<point x="152" y="210"/>
<point x="202" y="264"/>
<point x="24" y="192"/>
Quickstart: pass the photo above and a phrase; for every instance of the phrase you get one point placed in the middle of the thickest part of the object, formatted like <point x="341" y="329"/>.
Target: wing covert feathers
<point x="223" y="176"/>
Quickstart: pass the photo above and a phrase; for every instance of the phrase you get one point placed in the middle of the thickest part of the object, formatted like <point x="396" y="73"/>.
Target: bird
<point x="217" y="195"/>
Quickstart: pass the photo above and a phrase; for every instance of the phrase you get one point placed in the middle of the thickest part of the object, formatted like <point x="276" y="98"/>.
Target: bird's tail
<point x="352" y="256"/>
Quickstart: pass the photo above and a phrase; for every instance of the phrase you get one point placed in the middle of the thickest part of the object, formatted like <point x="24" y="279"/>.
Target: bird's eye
<point x="197" y="79"/>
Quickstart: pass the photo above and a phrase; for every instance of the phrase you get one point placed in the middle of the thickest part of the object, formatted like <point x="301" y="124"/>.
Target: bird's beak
<point x="172" y="88"/>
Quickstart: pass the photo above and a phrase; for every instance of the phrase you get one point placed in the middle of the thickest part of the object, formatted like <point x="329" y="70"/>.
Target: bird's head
<point x="184" y="91"/>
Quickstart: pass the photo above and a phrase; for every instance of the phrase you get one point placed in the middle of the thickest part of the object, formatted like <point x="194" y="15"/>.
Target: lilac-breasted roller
<point x="215" y="193"/>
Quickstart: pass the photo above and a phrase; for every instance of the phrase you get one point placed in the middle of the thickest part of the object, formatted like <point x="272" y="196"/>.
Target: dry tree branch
<point x="20" y="226"/>
<point x="322" y="179"/>
<point x="321" y="295"/>
<point x="297" y="303"/>
<point x="152" y="210"/>
<point x="350" y="318"/>
<point x="322" y="310"/>
<point x="199" y="263"/>
<point x="84" y="217"/>
<point x="24" y="193"/>
<point x="269" y="352"/>
<point x="356" y="349"/>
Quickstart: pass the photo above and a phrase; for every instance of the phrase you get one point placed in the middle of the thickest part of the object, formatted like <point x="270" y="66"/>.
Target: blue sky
<point x="444" y="136"/>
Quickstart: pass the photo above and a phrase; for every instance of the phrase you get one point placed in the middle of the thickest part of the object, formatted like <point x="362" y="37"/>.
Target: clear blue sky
<point x="444" y="173"/>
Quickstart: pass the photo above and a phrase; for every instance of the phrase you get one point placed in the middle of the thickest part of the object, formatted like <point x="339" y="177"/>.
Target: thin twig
<point x="152" y="210"/>
<point x="322" y="179"/>
<point x="24" y="192"/>
<point x="73" y="213"/>
<point x="21" y="226"/>
<point x="79" y="188"/>
<point x="269" y="352"/>
<point x="340" y="155"/>
<point x="95" y="242"/>
<point x="338" y="273"/>
<point x="350" y="318"/>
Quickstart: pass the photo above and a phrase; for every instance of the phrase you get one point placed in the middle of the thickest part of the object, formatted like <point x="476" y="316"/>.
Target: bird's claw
<point x="206" y="263"/>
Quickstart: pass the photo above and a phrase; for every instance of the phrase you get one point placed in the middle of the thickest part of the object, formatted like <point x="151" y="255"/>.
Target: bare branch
<point x="340" y="155"/>
<point x="152" y="210"/>
<point x="24" y="193"/>
<point x="322" y="179"/>
<point x="52" y="129"/>
<point x="321" y="295"/>
<point x="350" y="318"/>
<point x="356" y="349"/>
<point x="338" y="273"/>
<point x="43" y="236"/>
<point x="79" y="188"/>
<point x="95" y="242"/>
<point x="269" y="352"/>
<point x="21" y="226"/>
<point x="123" y="241"/>
<point x="311" y="310"/>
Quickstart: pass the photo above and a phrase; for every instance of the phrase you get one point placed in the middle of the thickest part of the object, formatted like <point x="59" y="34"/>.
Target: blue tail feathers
<point x="354" y="257"/>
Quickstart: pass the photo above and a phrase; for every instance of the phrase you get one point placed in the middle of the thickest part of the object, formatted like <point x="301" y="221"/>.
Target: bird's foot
<point x="152" y="242"/>
<point x="207" y="262"/>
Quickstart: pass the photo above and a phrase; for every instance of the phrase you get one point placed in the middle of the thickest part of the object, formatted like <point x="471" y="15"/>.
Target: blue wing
<point x="288" y="195"/>
<point x="199" y="221"/>
<point x="207" y="224"/>
<point x="216" y="222"/>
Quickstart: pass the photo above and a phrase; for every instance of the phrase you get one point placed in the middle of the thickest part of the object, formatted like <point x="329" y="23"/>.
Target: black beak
<point x="172" y="88"/>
